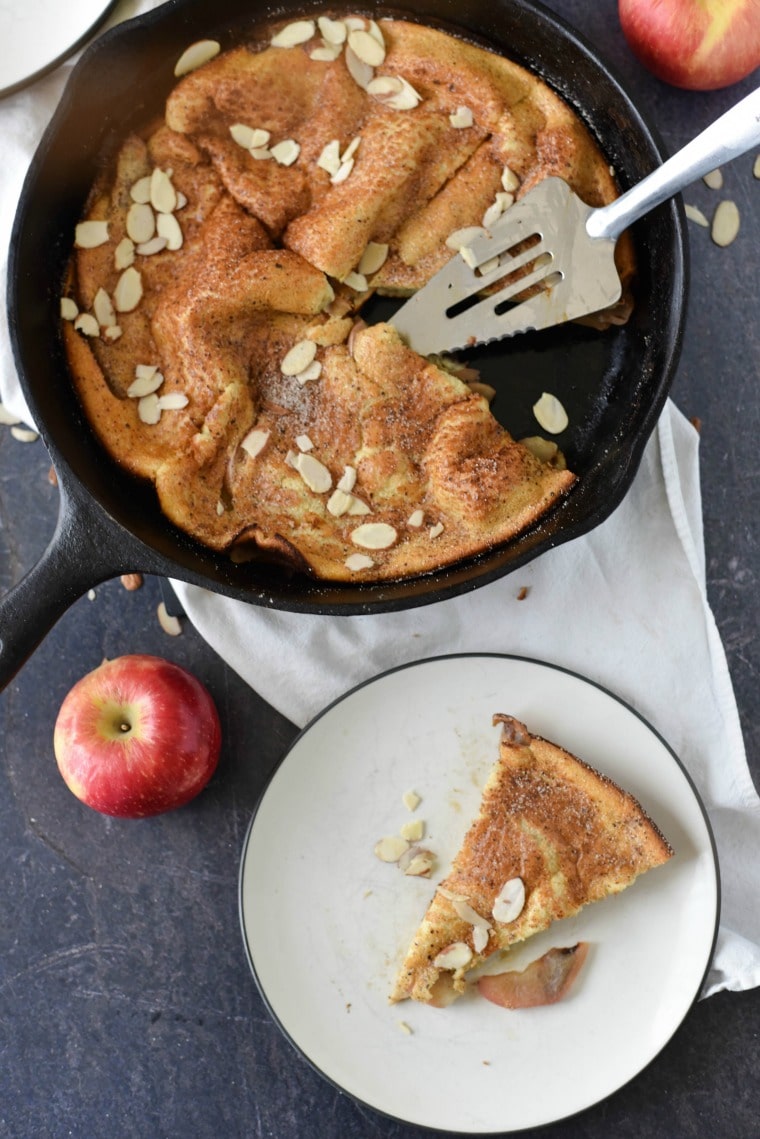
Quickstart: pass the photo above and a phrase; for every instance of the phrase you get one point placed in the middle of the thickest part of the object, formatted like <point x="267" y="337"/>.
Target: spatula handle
<point x="730" y="136"/>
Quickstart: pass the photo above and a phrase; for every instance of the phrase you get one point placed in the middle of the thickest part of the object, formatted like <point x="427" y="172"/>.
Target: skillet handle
<point x="81" y="554"/>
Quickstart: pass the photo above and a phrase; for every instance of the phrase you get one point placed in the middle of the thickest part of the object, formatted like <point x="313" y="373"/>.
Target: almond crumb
<point x="131" y="581"/>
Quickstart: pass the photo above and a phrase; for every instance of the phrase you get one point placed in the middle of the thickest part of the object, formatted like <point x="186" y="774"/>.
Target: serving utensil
<point x="552" y="240"/>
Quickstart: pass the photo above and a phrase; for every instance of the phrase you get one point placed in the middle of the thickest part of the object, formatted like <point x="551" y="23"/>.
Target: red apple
<point x="698" y="44"/>
<point x="137" y="736"/>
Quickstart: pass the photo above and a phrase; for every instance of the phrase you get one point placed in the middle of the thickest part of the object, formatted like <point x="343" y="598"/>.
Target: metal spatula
<point x="572" y="252"/>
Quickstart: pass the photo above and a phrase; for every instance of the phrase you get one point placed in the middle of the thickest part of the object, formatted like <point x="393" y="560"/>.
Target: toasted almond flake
<point x="156" y="244"/>
<point x="509" y="180"/>
<point x="299" y="357"/>
<point x="550" y="413"/>
<point x="455" y="956"/>
<point x="361" y="72"/>
<point x="169" y="624"/>
<point x="7" y="417"/>
<point x="374" y="536"/>
<point x="435" y="531"/>
<point x="195" y="56"/>
<point x="148" y="410"/>
<point x="543" y="449"/>
<point x="333" y="31"/>
<point x="220" y="508"/>
<point x="291" y="458"/>
<point x="373" y="258"/>
<point x="417" y="862"/>
<point x="181" y="200"/>
<point x="351" y="149"/>
<point x="468" y="257"/>
<point x="366" y="47"/>
<point x="484" y="390"/>
<point x="325" y="53"/>
<point x="314" y="474"/>
<point x="390" y="848"/>
<point x="468" y="914"/>
<point x="411" y="800"/>
<point x="304" y="443"/>
<point x="413" y="830"/>
<point x="487" y="266"/>
<point x="103" y="309"/>
<point x="147" y="380"/>
<point x="416" y="518"/>
<point x="358" y="562"/>
<point x="461" y="118"/>
<point x="451" y="895"/>
<point x="696" y="215"/>
<point x="128" y="292"/>
<point x="313" y="372"/>
<point x="338" y="503"/>
<point x="243" y="135"/>
<point x="375" y="31"/>
<point x="286" y="152"/>
<point x="354" y="22"/>
<point x="406" y="100"/>
<point x="139" y="191"/>
<point x="172" y="401"/>
<point x="347" y="480"/>
<point x="357" y="506"/>
<point x="140" y="223"/>
<point x="299" y="32"/>
<point x="329" y="158"/>
<point x="756" y="167"/>
<point x="91" y="234"/>
<point x="87" y="324"/>
<point x="356" y="281"/>
<point x="113" y="332"/>
<point x="260" y="153"/>
<point x="69" y="309"/>
<point x="259" y="138"/>
<point x="255" y="441"/>
<point x="461" y="238"/>
<point x="510" y="901"/>
<point x="492" y="214"/>
<point x="714" y="179"/>
<point x="385" y="86"/>
<point x="24" y="434"/>
<point x="124" y="254"/>
<point x="725" y="223"/>
<point x="170" y="230"/>
<point x="342" y="172"/>
<point x="479" y="938"/>
<point x="405" y="1028"/>
<point x="504" y="199"/>
<point x="163" y="196"/>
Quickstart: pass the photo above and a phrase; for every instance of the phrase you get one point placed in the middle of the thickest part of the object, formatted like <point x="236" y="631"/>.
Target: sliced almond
<point x="374" y="536"/>
<point x="91" y="234"/>
<point x="505" y="199"/>
<point x="347" y="479"/>
<point x="300" y="356"/>
<point x="366" y="47"/>
<point x="543" y="449"/>
<point x="416" y="518"/>
<point x="461" y="238"/>
<point x="725" y="223"/>
<point x="361" y="72"/>
<point x="436" y="530"/>
<point x="342" y="172"/>
<point x="314" y="474"/>
<point x="468" y="914"/>
<point x="356" y="506"/>
<point x="255" y="442"/>
<point x="411" y="800"/>
<point x="172" y="401"/>
<point x="170" y="230"/>
<point x="163" y="196"/>
<point x="385" y="87"/>
<point x="24" y="434"/>
<point x="338" y="503"/>
<point x="141" y="222"/>
<point x="390" y="848"/>
<point x="124" y="254"/>
<point x="405" y="1028"/>
<point x="477" y="387"/>
<point x="714" y="179"/>
<point x="509" y="180"/>
<point x="420" y="864"/>
<point x="325" y="53"/>
<point x="694" y="214"/>
<point x="312" y="372"/>
<point x="492" y="214"/>
<point x="357" y="282"/>
<point x="351" y="149"/>
<point x="479" y="938"/>
<point x="139" y="191"/>
<point x="147" y="379"/>
<point x="156" y="244"/>
<point x="329" y="158"/>
<point x="69" y="309"/>
<point x="299" y="32"/>
<point x="550" y="413"/>
<point x="413" y="831"/>
<point x="358" y="562"/>
<point x="354" y="22"/>
<point x="407" y="98"/>
<point x="756" y="167"/>
<point x="455" y="956"/>
<point x="374" y="257"/>
<point x="375" y="31"/>
<point x="510" y="901"/>
<point x="169" y="624"/>
<point x="461" y="118"/>
<point x="195" y="56"/>
<point x="103" y="309"/>
<point x="148" y="410"/>
<point x="333" y="31"/>
<point x="128" y="292"/>
<point x="113" y="332"/>
<point x="304" y="443"/>
<point x="244" y="135"/>
<point x="87" y="324"/>
<point x="286" y="152"/>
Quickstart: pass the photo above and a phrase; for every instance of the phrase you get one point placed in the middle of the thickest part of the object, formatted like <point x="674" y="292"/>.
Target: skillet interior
<point x="613" y="384"/>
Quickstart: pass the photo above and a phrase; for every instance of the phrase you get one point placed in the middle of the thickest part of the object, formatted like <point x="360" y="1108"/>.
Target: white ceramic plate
<point x="38" y="34"/>
<point x="325" y="923"/>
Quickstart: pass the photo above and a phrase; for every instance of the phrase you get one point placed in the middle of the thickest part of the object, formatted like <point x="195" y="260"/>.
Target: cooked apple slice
<point x="544" y="982"/>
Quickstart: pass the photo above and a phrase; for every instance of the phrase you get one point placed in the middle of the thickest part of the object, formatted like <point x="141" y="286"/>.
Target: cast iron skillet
<point x="613" y="384"/>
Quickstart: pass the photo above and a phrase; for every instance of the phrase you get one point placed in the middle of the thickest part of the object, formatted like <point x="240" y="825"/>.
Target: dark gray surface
<point x="126" y="1004"/>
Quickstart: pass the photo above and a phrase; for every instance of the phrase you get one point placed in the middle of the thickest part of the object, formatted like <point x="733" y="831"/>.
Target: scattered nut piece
<point x="543" y="449"/>
<point x="140" y="190"/>
<point x="69" y="309"/>
<point x="509" y="901"/>
<point x="714" y="179"/>
<point x="333" y="31"/>
<point x="254" y="442"/>
<point x="373" y="258"/>
<point x="522" y="593"/>
<point x="329" y="158"/>
<point x="361" y="72"/>
<point x="314" y="474"/>
<point x="103" y="309"/>
<point x="313" y="372"/>
<point x="24" y="434"/>
<point x="356" y="506"/>
<point x="169" y="624"/>
<point x="417" y="862"/>
<point x="405" y="1028"/>
<point x="461" y="118"/>
<point x="170" y="231"/>
<point x="338" y="503"/>
<point x="195" y="56"/>
<point x="479" y="938"/>
<point x="124" y="254"/>
<point x="140" y="223"/>
<point x="435" y="531"/>
<point x="413" y="831"/>
<point x="113" y="332"/>
<point x="91" y="234"/>
<point x="374" y="536"/>
<point x="342" y="172"/>
<point x="348" y="479"/>
<point x="325" y="53"/>
<point x="477" y="387"/>
<point x="695" y="214"/>
<point x="299" y="32"/>
<point x="148" y="409"/>
<point x="454" y="956"/>
<point x="87" y="324"/>
<point x="260" y="153"/>
<point x="163" y="196"/>
<point x="756" y="167"/>
<point x="358" y="562"/>
<point x="468" y="914"/>
<point x="286" y="152"/>
<point x="416" y="518"/>
<point x="147" y="379"/>
<point x="243" y="135"/>
<point x="131" y="581"/>
<point x="550" y="414"/>
<point x="411" y="800"/>
<point x="300" y="356"/>
<point x="357" y="282"/>
<point x="509" y="180"/>
<point x="403" y="99"/>
<point x="461" y="238"/>
<point x="391" y="848"/>
<point x="725" y="223"/>
<point x="128" y="292"/>
<point x="156" y="244"/>
<point x="366" y="47"/>
<point x="172" y="401"/>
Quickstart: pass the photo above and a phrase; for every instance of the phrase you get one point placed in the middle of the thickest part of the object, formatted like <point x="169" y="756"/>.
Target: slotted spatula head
<point x="576" y="275"/>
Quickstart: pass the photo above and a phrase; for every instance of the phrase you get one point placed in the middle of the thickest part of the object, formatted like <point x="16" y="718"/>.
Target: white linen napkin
<point x="624" y="605"/>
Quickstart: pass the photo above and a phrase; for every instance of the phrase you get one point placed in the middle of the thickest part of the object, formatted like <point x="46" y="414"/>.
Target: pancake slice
<point x="551" y="836"/>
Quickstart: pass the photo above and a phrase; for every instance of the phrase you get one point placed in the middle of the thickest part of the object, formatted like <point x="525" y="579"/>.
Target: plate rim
<point x="422" y="662"/>
<point x="71" y="48"/>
